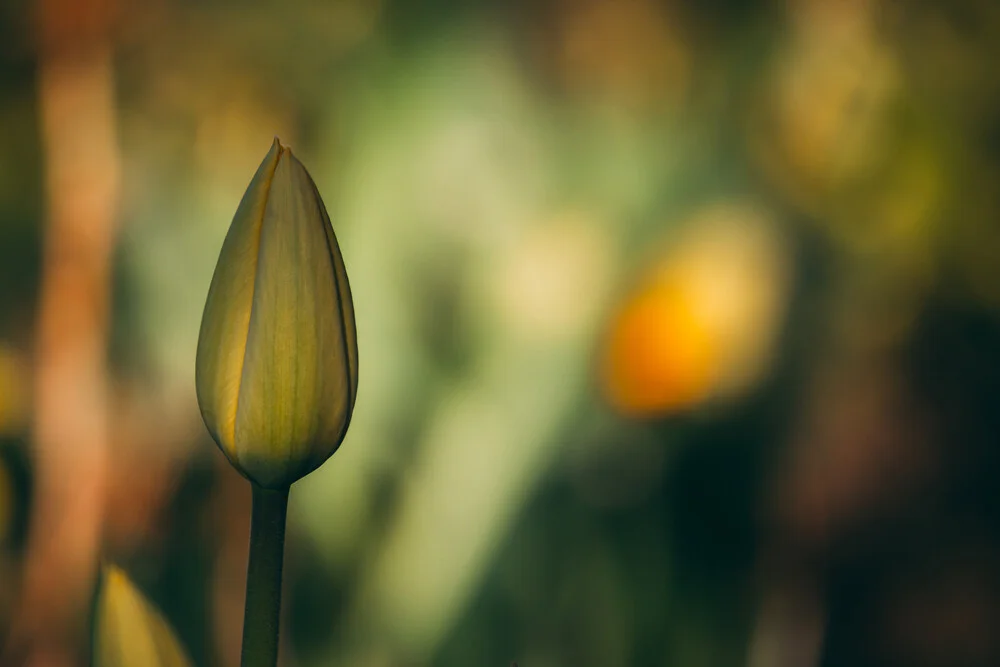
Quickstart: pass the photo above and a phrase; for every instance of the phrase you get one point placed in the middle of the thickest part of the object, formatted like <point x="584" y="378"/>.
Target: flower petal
<point x="226" y="321"/>
<point x="296" y="389"/>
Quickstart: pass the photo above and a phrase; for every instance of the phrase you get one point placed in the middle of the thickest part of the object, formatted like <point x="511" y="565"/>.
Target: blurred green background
<point x="679" y="326"/>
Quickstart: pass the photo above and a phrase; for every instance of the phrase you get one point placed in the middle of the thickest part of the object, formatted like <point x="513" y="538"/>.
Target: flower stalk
<point x="261" y="620"/>
<point x="277" y="364"/>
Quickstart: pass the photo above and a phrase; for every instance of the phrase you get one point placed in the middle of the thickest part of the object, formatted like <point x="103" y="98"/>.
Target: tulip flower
<point x="129" y="630"/>
<point x="277" y="366"/>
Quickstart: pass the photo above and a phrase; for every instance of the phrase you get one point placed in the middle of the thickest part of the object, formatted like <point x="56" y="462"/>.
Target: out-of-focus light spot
<point x="551" y="284"/>
<point x="14" y="383"/>
<point x="827" y="115"/>
<point x="703" y="321"/>
<point x="660" y="355"/>
<point x="630" y="49"/>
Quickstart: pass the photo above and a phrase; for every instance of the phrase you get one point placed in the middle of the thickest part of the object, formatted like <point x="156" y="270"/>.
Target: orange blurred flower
<point x="703" y="322"/>
<point x="660" y="354"/>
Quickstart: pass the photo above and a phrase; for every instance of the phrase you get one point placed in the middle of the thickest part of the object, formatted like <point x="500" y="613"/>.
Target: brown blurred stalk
<point x="82" y="163"/>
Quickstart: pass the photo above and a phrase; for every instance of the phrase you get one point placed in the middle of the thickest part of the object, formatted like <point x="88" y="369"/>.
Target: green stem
<point x="267" y="547"/>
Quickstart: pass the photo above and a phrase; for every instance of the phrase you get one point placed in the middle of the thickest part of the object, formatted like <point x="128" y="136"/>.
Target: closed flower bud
<point x="277" y="367"/>
<point x="129" y="630"/>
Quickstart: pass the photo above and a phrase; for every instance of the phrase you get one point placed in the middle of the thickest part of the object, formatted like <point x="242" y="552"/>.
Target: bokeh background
<point x="679" y="326"/>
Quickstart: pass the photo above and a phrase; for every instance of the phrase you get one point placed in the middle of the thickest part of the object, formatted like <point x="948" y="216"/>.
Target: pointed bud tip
<point x="110" y="571"/>
<point x="281" y="148"/>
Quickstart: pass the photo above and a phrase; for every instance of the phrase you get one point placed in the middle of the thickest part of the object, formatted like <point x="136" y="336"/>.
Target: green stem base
<point x="262" y="614"/>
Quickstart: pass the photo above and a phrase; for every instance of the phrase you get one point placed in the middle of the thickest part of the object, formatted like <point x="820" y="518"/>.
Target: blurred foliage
<point x="653" y="298"/>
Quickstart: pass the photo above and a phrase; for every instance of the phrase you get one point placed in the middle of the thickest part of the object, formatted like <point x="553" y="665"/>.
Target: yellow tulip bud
<point x="129" y="630"/>
<point x="277" y="367"/>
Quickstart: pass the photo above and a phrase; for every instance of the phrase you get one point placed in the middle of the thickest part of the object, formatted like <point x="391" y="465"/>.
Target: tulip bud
<point x="129" y="630"/>
<point x="277" y="367"/>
